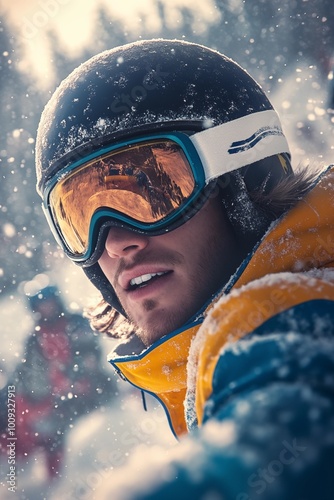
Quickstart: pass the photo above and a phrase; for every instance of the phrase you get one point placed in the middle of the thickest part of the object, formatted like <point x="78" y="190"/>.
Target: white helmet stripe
<point x="240" y="142"/>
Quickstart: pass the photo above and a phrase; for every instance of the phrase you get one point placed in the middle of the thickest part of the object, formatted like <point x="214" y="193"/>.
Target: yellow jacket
<point x="290" y="269"/>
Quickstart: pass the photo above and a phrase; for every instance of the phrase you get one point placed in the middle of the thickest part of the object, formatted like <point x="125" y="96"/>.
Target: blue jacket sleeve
<point x="268" y="428"/>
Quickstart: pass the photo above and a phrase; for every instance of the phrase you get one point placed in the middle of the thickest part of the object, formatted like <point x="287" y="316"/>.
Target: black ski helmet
<point x="155" y="85"/>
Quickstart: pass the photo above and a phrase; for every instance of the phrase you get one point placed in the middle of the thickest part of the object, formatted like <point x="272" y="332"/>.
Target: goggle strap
<point x="240" y="142"/>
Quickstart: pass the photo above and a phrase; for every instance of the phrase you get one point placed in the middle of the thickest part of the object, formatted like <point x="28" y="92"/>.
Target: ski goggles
<point x="150" y="184"/>
<point x="145" y="185"/>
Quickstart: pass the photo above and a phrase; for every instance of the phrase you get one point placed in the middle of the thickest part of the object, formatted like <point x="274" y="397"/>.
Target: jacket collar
<point x="301" y="240"/>
<point x="159" y="370"/>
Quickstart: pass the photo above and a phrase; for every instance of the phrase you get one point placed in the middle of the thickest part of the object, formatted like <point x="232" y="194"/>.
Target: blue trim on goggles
<point x="105" y="217"/>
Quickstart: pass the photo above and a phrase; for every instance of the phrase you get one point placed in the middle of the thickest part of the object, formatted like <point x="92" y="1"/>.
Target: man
<point x="220" y="263"/>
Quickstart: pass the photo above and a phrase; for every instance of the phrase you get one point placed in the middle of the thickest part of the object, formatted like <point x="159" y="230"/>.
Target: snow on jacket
<point x="254" y="382"/>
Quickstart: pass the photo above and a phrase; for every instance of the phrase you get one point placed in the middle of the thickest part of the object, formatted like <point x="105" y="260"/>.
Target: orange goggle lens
<point x="140" y="184"/>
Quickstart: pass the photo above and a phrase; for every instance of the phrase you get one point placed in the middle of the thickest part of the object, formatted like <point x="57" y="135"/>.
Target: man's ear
<point x="248" y="220"/>
<point x="265" y="174"/>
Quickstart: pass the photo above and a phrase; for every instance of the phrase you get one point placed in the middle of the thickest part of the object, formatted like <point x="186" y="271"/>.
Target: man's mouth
<point x="145" y="279"/>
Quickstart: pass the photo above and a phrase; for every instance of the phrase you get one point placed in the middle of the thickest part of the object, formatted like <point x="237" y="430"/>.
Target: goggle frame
<point x="110" y="217"/>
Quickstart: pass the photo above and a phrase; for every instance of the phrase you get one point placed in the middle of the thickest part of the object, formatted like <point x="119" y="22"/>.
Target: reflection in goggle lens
<point x="146" y="183"/>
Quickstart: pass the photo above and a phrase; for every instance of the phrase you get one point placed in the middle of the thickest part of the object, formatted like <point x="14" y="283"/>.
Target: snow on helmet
<point x="161" y="85"/>
<point x="147" y="85"/>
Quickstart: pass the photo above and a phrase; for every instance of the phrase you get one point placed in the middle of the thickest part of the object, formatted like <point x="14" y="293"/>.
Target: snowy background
<point x="287" y="46"/>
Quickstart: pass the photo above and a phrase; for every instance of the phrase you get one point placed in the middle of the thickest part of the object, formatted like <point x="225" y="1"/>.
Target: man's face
<point x="161" y="281"/>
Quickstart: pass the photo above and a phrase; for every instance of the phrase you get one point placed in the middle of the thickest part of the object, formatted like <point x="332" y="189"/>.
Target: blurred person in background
<point x="59" y="379"/>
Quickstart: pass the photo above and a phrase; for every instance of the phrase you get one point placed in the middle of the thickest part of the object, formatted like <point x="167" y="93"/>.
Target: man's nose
<point x="122" y="242"/>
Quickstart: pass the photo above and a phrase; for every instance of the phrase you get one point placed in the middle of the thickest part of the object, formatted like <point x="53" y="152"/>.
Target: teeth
<point x="143" y="278"/>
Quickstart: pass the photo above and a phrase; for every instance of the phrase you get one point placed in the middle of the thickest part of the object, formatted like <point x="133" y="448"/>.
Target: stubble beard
<point x="167" y="321"/>
<point x="158" y="326"/>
